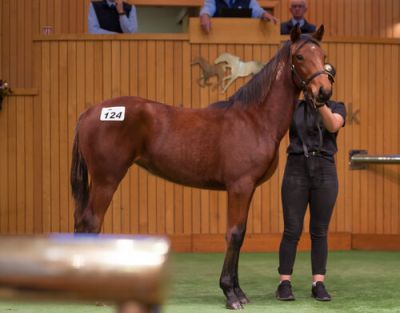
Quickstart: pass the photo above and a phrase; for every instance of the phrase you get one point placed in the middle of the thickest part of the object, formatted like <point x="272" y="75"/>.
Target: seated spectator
<point x="298" y="8"/>
<point x="112" y="17"/>
<point x="211" y="8"/>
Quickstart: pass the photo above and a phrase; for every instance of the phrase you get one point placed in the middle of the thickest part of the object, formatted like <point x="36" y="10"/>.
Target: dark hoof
<point x="235" y="305"/>
<point x="241" y="296"/>
<point x="244" y="300"/>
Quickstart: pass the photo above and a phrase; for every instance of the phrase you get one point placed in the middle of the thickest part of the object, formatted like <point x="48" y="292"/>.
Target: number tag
<point x="112" y="114"/>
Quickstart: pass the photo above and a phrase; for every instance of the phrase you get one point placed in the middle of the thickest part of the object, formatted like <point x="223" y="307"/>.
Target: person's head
<point x="298" y="8"/>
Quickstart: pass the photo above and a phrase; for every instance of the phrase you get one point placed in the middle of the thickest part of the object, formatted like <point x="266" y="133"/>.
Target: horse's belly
<point x="179" y="176"/>
<point x="270" y="171"/>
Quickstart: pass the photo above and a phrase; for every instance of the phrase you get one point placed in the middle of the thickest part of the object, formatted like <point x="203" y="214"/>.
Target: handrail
<point x="360" y="158"/>
<point x="84" y="267"/>
<point x="192" y="3"/>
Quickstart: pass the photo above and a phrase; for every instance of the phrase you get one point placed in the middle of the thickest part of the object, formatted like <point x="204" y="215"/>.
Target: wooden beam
<point x="191" y="3"/>
<point x="253" y="242"/>
<point x="118" y="37"/>
<point x="234" y="31"/>
<point x="375" y="242"/>
<point x="24" y="92"/>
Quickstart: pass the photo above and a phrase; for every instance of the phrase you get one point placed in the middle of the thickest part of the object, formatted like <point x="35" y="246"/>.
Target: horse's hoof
<point x="244" y="300"/>
<point x="235" y="305"/>
<point x="241" y="296"/>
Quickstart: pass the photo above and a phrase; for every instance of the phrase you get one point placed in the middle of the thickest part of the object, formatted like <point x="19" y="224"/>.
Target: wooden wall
<point x="36" y="125"/>
<point x="373" y="18"/>
<point x="21" y="20"/>
<point x="73" y="72"/>
<point x="20" y="163"/>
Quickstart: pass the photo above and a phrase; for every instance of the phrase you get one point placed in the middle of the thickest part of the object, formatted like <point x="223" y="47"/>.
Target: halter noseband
<point x="328" y="69"/>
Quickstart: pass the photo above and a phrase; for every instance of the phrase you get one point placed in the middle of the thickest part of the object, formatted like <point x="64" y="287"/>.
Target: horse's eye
<point x="299" y="57"/>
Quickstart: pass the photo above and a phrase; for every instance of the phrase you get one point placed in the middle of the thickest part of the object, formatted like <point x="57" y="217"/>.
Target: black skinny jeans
<point x="313" y="181"/>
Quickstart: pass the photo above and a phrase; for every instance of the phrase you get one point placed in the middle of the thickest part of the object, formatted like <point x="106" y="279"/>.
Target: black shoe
<point x="284" y="291"/>
<point x="319" y="292"/>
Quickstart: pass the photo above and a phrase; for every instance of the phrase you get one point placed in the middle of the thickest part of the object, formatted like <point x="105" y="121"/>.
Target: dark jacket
<point x="286" y="27"/>
<point x="108" y="17"/>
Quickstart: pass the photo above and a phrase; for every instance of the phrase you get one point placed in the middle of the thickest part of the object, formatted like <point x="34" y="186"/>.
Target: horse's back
<point x="100" y="135"/>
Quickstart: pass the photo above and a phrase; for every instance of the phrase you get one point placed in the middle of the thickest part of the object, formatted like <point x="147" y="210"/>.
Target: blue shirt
<point x="209" y="8"/>
<point x="128" y="23"/>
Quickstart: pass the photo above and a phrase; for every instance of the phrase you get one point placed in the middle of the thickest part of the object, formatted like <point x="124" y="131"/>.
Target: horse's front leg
<point x="239" y="197"/>
<point x="201" y="81"/>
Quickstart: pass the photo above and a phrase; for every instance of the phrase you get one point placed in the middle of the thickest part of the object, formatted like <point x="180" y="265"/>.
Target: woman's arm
<point x="332" y="121"/>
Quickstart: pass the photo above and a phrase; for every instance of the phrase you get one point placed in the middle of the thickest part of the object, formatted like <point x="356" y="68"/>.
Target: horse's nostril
<point x="324" y="94"/>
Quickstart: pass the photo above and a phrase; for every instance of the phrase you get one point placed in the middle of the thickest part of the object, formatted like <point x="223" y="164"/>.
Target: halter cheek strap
<point x="305" y="82"/>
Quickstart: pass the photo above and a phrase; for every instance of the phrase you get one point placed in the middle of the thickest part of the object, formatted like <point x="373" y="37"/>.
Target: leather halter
<point x="328" y="69"/>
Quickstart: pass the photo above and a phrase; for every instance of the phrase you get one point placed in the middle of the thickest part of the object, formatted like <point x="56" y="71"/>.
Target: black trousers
<point x="312" y="181"/>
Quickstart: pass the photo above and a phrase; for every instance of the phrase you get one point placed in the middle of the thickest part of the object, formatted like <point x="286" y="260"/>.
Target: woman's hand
<point x="332" y="121"/>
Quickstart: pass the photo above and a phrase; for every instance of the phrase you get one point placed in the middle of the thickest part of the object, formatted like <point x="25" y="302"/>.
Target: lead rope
<point x="305" y="149"/>
<point x="303" y="135"/>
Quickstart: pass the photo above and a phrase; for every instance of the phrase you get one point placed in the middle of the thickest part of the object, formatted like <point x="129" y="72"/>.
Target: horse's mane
<point x="260" y="84"/>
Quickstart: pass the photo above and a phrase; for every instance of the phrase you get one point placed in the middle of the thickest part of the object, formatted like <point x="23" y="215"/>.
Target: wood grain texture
<point x="37" y="127"/>
<point x="21" y="21"/>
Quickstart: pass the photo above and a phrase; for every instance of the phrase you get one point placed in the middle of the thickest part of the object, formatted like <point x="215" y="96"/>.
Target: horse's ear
<point x="319" y="33"/>
<point x="295" y="33"/>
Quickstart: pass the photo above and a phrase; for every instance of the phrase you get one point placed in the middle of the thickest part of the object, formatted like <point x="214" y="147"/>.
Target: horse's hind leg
<point x="102" y="189"/>
<point x="92" y="217"/>
<point x="239" y="197"/>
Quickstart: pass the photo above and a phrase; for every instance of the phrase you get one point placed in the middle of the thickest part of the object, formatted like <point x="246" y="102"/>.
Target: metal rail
<point x="359" y="159"/>
<point x="122" y="269"/>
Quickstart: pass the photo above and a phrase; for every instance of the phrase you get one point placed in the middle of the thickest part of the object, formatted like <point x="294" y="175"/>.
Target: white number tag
<point x="112" y="114"/>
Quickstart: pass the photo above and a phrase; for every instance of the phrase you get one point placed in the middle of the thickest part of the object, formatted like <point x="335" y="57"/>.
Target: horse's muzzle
<point x="324" y="95"/>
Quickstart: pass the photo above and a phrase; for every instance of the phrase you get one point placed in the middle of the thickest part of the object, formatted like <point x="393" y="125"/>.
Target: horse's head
<point x="198" y="60"/>
<point x="310" y="72"/>
<point x="226" y="57"/>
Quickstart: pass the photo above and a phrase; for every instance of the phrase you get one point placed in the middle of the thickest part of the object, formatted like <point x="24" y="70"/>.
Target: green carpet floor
<point x="359" y="282"/>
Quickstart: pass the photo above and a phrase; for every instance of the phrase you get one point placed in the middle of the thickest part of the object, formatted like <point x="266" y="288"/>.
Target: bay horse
<point x="231" y="145"/>
<point x="209" y="70"/>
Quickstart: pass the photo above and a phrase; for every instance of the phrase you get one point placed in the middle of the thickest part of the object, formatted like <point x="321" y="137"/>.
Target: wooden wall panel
<point x="374" y="18"/>
<point x="36" y="136"/>
<point x="22" y="20"/>
<point x="17" y="158"/>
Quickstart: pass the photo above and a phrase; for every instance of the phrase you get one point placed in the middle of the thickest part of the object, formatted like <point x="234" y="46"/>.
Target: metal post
<point x="126" y="270"/>
<point x="359" y="159"/>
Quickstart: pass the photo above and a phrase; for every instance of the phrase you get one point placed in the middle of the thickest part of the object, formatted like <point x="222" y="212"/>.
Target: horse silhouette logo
<point x="237" y="67"/>
<point x="209" y="70"/>
<point x="227" y="68"/>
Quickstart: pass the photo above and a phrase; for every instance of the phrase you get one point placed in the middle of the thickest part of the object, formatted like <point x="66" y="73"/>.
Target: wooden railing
<point x="191" y="3"/>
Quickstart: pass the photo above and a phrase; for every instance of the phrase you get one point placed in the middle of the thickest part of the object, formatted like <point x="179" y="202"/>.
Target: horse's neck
<point x="202" y="64"/>
<point x="278" y="107"/>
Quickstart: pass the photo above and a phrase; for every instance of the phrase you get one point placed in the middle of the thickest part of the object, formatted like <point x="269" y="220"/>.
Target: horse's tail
<point x="79" y="176"/>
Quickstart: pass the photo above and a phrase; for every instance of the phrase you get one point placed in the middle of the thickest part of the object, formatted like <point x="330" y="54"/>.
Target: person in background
<point x="112" y="17"/>
<point x="298" y="9"/>
<point x="211" y="9"/>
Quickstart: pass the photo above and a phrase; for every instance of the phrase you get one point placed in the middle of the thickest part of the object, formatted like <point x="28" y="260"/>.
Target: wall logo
<point x="227" y="68"/>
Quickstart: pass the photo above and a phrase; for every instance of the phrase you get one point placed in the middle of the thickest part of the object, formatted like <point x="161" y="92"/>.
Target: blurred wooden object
<point x="126" y="270"/>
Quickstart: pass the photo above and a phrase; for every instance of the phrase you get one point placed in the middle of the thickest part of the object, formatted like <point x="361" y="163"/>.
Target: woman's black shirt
<point x="312" y="135"/>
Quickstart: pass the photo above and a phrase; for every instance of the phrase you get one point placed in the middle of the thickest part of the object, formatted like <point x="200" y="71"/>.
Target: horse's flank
<point x="194" y="147"/>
